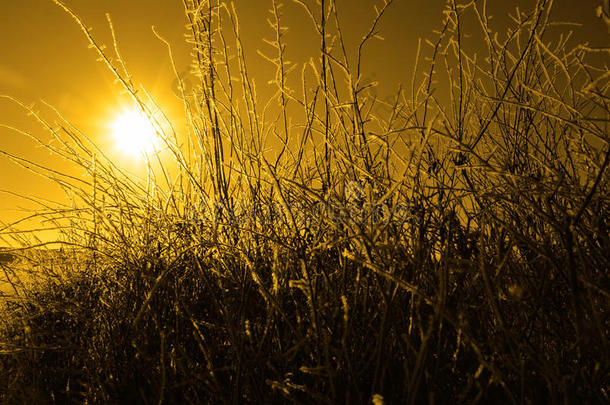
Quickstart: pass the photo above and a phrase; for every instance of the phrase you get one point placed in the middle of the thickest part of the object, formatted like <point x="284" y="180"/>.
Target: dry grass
<point x="318" y="249"/>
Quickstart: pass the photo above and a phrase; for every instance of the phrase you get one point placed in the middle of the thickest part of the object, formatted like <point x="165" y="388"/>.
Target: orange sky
<point x="44" y="56"/>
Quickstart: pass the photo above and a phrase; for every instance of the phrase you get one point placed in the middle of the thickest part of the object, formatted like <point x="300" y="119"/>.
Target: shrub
<point x="441" y="251"/>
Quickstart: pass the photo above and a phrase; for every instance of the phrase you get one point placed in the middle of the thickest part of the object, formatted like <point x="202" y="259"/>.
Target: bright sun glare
<point x="134" y="134"/>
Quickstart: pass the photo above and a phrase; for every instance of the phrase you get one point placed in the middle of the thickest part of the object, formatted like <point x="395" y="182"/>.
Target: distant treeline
<point x="36" y="255"/>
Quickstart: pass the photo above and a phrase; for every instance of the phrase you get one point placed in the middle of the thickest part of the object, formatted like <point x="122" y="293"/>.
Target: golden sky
<point x="44" y="56"/>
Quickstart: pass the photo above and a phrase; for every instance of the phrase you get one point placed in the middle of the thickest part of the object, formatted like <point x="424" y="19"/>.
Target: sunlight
<point x="134" y="134"/>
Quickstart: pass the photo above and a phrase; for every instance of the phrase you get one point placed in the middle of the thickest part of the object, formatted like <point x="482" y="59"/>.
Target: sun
<point x="134" y="134"/>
